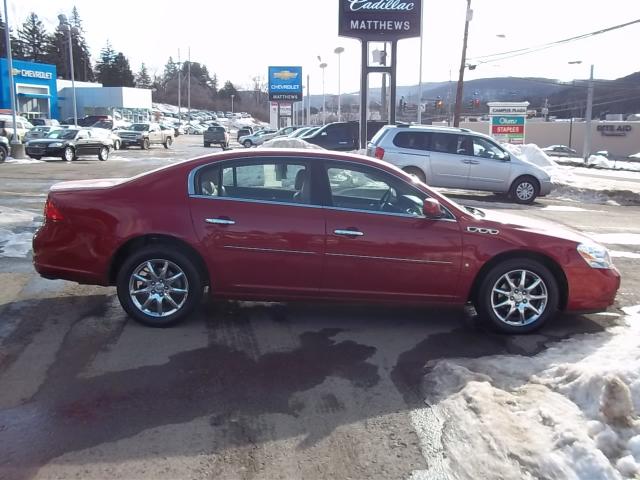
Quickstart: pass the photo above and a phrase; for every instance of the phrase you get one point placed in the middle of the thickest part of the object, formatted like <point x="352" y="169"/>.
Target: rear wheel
<point x="207" y="144"/>
<point x="167" y="143"/>
<point x="518" y="296"/>
<point x="116" y="145"/>
<point x="415" y="171"/>
<point x="524" y="190"/>
<point x="4" y="153"/>
<point x="145" y="144"/>
<point x="158" y="286"/>
<point x="68" y="154"/>
<point x="103" y="154"/>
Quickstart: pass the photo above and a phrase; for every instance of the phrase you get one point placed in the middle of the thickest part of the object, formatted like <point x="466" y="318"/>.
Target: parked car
<point x="300" y="132"/>
<point x="110" y="135"/>
<point x="279" y="225"/>
<point x="342" y="136"/>
<point x="308" y="133"/>
<point x="560" y="151"/>
<point x="4" y="148"/>
<point x="52" y="122"/>
<point x="85" y="121"/>
<point x="284" y="131"/>
<point x="144" y="135"/>
<point x="244" y="132"/>
<point x="194" y="129"/>
<point x="257" y="138"/>
<point x="459" y="158"/>
<point x="6" y="126"/>
<point x="216" y="135"/>
<point x="39" y="132"/>
<point x="69" y="144"/>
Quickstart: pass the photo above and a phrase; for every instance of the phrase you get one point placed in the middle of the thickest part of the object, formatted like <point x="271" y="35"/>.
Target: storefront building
<point x="36" y="91"/>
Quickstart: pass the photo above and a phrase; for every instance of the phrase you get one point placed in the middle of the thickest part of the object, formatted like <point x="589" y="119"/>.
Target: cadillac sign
<point x="380" y="19"/>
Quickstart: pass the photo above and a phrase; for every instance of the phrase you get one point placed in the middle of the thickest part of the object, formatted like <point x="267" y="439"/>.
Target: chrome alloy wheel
<point x="158" y="287"/>
<point x="519" y="297"/>
<point x="525" y="191"/>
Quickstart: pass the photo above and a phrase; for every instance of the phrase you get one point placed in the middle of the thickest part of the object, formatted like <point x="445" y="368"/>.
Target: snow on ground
<point x="20" y="161"/>
<point x="286" y="142"/>
<point x="16" y="231"/>
<point x="600" y="161"/>
<point x="570" y="412"/>
<point x="531" y="153"/>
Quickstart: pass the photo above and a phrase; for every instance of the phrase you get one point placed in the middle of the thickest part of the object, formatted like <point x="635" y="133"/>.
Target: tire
<point x="416" y="172"/>
<point x="69" y="154"/>
<point x="505" y="311"/>
<point x="247" y="144"/>
<point x="167" y="143"/>
<point x="144" y="145"/>
<point x="103" y="154"/>
<point x="124" y="147"/>
<point x="207" y="144"/>
<point x="116" y="145"/>
<point x="189" y="284"/>
<point x="524" y="190"/>
<point x="4" y="153"/>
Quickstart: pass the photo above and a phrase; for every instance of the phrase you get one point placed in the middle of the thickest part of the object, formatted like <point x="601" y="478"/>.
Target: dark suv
<point x="343" y="136"/>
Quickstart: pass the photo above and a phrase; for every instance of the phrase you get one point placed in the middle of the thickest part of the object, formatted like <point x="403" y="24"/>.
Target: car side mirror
<point x="431" y="208"/>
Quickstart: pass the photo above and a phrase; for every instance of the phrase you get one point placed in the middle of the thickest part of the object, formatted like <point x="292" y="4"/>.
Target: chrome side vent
<point x="485" y="231"/>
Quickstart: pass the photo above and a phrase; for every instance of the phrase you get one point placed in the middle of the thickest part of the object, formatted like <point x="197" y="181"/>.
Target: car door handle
<point x="220" y="221"/>
<point x="349" y="233"/>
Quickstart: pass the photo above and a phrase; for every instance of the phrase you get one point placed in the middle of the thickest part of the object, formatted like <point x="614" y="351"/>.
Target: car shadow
<point x="240" y="377"/>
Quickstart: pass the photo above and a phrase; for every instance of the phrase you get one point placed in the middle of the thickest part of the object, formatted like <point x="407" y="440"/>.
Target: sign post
<point x="285" y="87"/>
<point x="508" y="120"/>
<point x="378" y="21"/>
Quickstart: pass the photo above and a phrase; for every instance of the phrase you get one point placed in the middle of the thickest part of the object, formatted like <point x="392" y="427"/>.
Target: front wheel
<point x="103" y="154"/>
<point x="518" y="296"/>
<point x="158" y="286"/>
<point x="116" y="145"/>
<point x="145" y="144"/>
<point x="524" y="190"/>
<point x="68" y="154"/>
<point x="4" y="153"/>
<point x="167" y="143"/>
<point x="247" y="144"/>
<point x="416" y="172"/>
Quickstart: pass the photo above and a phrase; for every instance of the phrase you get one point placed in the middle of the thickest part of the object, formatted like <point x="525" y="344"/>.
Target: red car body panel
<point x="277" y="251"/>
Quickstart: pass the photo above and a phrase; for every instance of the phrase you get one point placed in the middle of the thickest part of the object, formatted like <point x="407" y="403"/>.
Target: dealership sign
<point x="380" y="19"/>
<point x="285" y="84"/>
<point x="23" y="72"/>
<point x="508" y="121"/>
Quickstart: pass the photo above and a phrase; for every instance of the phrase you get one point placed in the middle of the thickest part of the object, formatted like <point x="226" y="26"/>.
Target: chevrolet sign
<point x="285" y="84"/>
<point x="21" y="72"/>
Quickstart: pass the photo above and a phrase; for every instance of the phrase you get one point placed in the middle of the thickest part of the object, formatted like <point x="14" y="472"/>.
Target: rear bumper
<point x="545" y="188"/>
<point x="591" y="289"/>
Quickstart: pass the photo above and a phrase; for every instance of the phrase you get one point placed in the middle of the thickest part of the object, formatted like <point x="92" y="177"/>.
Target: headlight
<point x="55" y="144"/>
<point x="595" y="255"/>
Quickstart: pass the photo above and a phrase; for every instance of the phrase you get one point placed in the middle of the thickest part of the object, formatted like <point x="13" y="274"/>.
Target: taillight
<point x="51" y="212"/>
<point x="379" y="153"/>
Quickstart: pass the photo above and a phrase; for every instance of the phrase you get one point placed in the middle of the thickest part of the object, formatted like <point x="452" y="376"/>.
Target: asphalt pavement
<point x="240" y="390"/>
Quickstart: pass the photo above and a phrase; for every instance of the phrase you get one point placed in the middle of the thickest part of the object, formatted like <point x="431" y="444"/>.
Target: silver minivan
<point x="459" y="158"/>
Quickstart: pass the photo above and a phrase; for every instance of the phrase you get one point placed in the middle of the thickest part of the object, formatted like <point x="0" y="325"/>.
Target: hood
<point x="508" y="222"/>
<point x="87" y="184"/>
<point x="132" y="132"/>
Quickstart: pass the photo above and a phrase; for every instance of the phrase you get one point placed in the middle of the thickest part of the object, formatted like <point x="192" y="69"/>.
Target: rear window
<point x="378" y="136"/>
<point x="216" y="129"/>
<point x="412" y="140"/>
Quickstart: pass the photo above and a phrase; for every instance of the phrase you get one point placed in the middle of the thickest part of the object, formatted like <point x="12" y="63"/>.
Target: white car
<point x="635" y="156"/>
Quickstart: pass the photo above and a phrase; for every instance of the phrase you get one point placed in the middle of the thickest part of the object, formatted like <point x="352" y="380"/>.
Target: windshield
<point x="66" y="134"/>
<point x="139" y="127"/>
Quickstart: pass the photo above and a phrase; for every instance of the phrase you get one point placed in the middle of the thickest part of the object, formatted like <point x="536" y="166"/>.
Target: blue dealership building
<point x="36" y="88"/>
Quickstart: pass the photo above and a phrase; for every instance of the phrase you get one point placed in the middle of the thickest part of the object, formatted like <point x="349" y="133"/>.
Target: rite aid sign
<point x="285" y="84"/>
<point x="380" y="19"/>
<point x="23" y="72"/>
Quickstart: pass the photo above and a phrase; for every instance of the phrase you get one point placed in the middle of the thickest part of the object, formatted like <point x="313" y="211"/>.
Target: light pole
<point x="459" y="92"/>
<point x="308" y="102"/>
<point x="17" y="149"/>
<point x="586" y="151"/>
<point x="338" y="51"/>
<point x="323" y="65"/>
<point x="232" y="96"/>
<point x="64" y="24"/>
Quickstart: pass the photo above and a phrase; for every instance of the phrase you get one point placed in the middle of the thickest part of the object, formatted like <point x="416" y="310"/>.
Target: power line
<point x="524" y="51"/>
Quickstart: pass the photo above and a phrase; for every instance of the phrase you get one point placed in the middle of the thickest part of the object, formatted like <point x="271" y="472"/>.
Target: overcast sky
<point x="239" y="39"/>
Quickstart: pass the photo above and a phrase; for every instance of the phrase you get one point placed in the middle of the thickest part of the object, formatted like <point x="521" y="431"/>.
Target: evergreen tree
<point x="58" y="53"/>
<point x="142" y="79"/>
<point x="104" y="67"/>
<point x="16" y="49"/>
<point x="123" y="74"/>
<point x="170" y="71"/>
<point x="228" y="90"/>
<point x="34" y="40"/>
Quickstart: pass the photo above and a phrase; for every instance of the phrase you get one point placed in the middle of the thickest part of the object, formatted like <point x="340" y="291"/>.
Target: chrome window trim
<point x="395" y="259"/>
<point x="192" y="176"/>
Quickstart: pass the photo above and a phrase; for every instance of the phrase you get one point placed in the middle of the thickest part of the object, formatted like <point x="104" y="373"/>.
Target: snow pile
<point x="286" y="142"/>
<point x="16" y="231"/>
<point x="600" y="161"/>
<point x="22" y="161"/>
<point x="570" y="412"/>
<point x="531" y="153"/>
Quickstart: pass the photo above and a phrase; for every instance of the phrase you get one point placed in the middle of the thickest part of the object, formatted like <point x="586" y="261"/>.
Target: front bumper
<point x="545" y="187"/>
<point x="130" y="141"/>
<point x="44" y="151"/>
<point x="591" y="289"/>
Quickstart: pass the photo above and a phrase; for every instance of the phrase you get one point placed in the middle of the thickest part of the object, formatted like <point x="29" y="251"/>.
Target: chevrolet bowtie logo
<point x="16" y="71"/>
<point x="285" y="75"/>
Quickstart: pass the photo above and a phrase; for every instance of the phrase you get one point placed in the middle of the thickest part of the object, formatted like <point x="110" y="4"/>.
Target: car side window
<point x="412" y="140"/>
<point x="275" y="181"/>
<point x="486" y="149"/>
<point x="367" y="189"/>
<point x="451" y="143"/>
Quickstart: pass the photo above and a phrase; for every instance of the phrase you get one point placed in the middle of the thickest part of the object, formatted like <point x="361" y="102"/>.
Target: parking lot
<point x="240" y="390"/>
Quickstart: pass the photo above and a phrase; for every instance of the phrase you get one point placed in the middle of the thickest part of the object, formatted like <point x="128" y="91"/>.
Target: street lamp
<point x="64" y="25"/>
<point x="17" y="149"/>
<point x="232" y="95"/>
<point x="338" y="51"/>
<point x="323" y="65"/>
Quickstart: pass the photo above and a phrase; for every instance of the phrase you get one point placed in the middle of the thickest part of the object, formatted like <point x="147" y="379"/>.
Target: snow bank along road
<point x="304" y="391"/>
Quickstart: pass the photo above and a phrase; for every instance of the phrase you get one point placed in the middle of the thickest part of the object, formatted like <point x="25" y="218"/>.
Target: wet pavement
<point x="240" y="390"/>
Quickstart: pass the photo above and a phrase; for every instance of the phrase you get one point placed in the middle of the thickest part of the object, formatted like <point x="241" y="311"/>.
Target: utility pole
<point x="179" y="88"/>
<point x="586" y="151"/>
<point x="463" y="60"/>
<point x="189" y="85"/>
<point x="420" y="79"/>
<point x="308" y="102"/>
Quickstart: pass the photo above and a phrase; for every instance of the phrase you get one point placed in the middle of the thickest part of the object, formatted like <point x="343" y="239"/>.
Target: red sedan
<point x="299" y="225"/>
